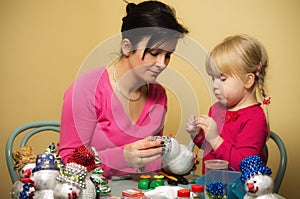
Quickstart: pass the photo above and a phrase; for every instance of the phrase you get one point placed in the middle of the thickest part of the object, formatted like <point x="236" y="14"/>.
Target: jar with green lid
<point x="144" y="182"/>
<point x="157" y="181"/>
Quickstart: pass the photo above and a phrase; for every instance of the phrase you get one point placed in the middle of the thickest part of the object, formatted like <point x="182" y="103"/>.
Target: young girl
<point x="236" y="126"/>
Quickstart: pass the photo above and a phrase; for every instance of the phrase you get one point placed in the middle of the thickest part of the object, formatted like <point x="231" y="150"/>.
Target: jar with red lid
<point x="197" y="191"/>
<point x="183" y="194"/>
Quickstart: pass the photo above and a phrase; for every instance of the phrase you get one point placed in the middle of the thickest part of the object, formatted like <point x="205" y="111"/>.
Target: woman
<point x="117" y="108"/>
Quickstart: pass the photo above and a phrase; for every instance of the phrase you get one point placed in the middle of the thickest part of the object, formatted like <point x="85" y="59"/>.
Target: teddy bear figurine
<point x="256" y="177"/>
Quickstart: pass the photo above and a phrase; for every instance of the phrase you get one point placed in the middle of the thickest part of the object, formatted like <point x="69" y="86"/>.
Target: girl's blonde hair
<point x="238" y="55"/>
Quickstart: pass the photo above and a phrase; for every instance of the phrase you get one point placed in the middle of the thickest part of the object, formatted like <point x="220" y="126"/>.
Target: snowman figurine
<point x="24" y="162"/>
<point x="24" y="188"/>
<point x="71" y="182"/>
<point x="84" y="155"/>
<point x="44" y="176"/>
<point x="256" y="177"/>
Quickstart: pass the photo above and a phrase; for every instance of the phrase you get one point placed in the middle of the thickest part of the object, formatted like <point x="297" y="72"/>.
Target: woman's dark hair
<point x="153" y="19"/>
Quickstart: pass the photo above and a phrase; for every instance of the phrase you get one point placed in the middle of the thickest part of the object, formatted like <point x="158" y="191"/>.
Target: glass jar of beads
<point x="216" y="178"/>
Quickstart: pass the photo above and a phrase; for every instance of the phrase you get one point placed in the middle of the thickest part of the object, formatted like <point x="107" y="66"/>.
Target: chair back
<point x="283" y="160"/>
<point x="31" y="129"/>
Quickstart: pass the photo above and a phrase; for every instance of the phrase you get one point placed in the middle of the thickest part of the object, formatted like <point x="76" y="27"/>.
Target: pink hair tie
<point x="267" y="101"/>
<point x="258" y="69"/>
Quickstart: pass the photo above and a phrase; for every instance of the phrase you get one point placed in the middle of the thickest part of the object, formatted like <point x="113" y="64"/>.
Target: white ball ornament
<point x="177" y="157"/>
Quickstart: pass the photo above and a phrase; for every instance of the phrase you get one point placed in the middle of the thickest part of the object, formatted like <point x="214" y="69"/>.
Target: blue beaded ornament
<point x="216" y="190"/>
<point x="251" y="166"/>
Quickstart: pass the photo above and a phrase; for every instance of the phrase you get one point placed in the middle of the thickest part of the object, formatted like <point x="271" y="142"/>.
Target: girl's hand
<point x="142" y="152"/>
<point x="210" y="129"/>
<point x="191" y="127"/>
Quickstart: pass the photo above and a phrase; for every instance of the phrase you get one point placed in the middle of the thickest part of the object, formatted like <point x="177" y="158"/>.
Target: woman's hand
<point x="192" y="128"/>
<point x="142" y="152"/>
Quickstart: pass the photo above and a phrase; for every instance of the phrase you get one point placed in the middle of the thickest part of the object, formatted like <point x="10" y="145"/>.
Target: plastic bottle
<point x="183" y="194"/>
<point x="197" y="190"/>
<point x="158" y="181"/>
<point x="144" y="182"/>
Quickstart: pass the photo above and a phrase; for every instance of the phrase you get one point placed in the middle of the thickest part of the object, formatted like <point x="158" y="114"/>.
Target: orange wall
<point x="43" y="44"/>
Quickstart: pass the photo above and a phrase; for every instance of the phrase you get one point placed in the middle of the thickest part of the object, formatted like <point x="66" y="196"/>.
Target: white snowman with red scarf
<point x="256" y="176"/>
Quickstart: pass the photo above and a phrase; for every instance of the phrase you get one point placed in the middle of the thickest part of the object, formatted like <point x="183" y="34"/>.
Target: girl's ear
<point x="249" y="80"/>
<point x="126" y="47"/>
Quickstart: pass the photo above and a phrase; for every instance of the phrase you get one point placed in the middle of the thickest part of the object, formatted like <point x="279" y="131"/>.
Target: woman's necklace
<point x="119" y="89"/>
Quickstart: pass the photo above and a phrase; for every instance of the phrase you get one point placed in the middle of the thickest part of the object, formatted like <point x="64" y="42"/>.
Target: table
<point x="120" y="185"/>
